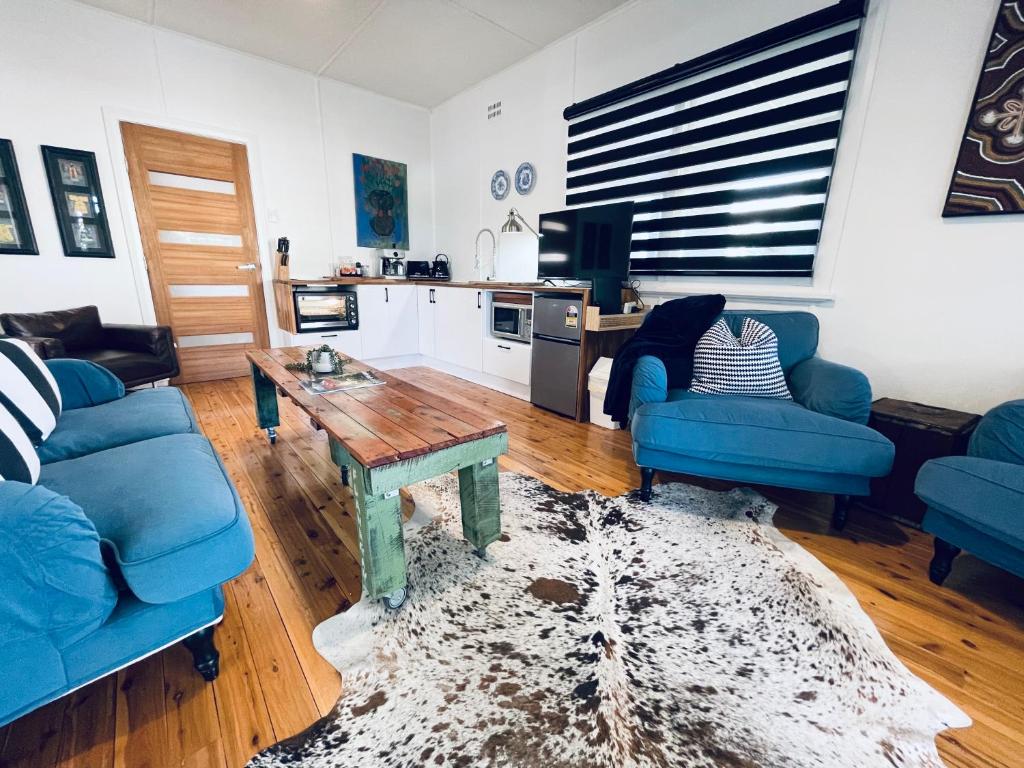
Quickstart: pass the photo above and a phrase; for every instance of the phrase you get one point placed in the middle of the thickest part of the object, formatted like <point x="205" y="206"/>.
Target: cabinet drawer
<point x="507" y="359"/>
<point x="346" y="342"/>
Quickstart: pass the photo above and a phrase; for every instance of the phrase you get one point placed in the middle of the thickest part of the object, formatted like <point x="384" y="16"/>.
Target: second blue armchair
<point x="819" y="441"/>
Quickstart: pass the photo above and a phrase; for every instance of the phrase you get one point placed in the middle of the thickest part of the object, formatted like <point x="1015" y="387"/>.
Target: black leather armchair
<point x="136" y="354"/>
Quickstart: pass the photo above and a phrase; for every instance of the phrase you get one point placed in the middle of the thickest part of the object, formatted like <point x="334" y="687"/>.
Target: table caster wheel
<point x="272" y="435"/>
<point x="396" y="599"/>
<point x="481" y="553"/>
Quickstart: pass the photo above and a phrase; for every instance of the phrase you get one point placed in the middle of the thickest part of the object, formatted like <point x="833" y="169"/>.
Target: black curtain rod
<point x="844" y="10"/>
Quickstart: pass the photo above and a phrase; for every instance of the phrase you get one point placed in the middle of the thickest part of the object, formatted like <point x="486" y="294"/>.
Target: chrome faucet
<point x="476" y="255"/>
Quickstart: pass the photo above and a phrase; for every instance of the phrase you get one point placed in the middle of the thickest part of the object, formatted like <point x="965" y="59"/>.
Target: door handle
<point x="386" y="299"/>
<point x="249" y="267"/>
<point x="432" y="301"/>
<point x="479" y="295"/>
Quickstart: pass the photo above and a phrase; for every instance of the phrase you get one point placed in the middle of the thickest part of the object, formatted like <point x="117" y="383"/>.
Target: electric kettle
<point x="441" y="269"/>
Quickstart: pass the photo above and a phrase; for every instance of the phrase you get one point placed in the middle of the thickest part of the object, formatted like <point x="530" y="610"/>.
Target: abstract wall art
<point x="382" y="203"/>
<point x="988" y="176"/>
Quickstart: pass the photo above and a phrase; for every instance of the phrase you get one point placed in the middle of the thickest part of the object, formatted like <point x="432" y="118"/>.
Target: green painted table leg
<point x="265" y="396"/>
<point x="481" y="506"/>
<point x="379" y="525"/>
<point x="341" y="457"/>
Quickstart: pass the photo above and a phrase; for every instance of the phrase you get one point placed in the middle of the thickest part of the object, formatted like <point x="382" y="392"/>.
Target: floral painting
<point x="382" y="203"/>
<point x="989" y="172"/>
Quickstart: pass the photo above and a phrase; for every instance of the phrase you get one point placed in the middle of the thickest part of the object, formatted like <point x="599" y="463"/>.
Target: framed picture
<point x="16" y="235"/>
<point x="78" y="202"/>
<point x="382" y="203"/>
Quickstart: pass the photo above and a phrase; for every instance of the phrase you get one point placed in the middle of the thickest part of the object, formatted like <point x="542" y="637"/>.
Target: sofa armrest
<point x="83" y="383"/>
<point x="43" y="346"/>
<point x="831" y="389"/>
<point x="650" y="383"/>
<point x="153" y="339"/>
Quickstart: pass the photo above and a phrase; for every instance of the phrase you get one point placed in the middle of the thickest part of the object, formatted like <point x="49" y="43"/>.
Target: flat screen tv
<point x="588" y="244"/>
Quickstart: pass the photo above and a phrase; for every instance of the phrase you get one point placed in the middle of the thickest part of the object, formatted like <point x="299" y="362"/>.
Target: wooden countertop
<point x="488" y="285"/>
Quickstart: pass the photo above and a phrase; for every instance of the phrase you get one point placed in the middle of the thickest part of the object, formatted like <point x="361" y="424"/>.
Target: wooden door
<point x="193" y="200"/>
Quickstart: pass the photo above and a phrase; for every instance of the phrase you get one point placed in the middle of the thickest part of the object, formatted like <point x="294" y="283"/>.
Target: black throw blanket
<point x="670" y="332"/>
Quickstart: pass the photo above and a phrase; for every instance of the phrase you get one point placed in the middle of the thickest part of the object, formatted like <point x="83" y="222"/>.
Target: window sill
<point x="780" y="294"/>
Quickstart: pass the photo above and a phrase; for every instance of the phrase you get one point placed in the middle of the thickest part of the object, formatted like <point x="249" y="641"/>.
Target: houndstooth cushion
<point x="749" y="365"/>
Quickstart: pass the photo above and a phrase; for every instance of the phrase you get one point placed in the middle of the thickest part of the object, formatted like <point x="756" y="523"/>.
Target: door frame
<point x="112" y="119"/>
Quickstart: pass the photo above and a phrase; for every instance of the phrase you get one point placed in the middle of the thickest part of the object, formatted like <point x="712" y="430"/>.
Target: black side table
<point x="920" y="432"/>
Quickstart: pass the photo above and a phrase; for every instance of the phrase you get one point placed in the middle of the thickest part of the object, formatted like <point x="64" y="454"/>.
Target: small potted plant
<point x="322" y="359"/>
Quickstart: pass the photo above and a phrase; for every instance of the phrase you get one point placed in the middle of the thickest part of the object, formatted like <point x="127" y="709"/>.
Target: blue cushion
<point x="988" y="495"/>
<point x="83" y="383"/>
<point x="166" y="509"/>
<point x="133" y="630"/>
<point x="138" y="416"/>
<point x="832" y="389"/>
<point x="136" y="627"/>
<point x="802" y="479"/>
<point x="52" y="575"/>
<point x="1000" y="435"/>
<point x="797" y="332"/>
<point x="776" y="434"/>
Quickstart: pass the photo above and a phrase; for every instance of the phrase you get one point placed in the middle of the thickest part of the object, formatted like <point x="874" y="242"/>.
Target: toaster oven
<point x="325" y="308"/>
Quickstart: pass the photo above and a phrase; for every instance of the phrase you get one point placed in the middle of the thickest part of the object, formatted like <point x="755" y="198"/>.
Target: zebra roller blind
<point x="727" y="157"/>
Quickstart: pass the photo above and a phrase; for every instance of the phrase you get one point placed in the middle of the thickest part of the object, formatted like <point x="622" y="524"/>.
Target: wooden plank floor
<point x="967" y="640"/>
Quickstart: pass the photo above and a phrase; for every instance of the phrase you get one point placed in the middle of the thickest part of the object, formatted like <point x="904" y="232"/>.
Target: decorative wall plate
<point x="526" y="177"/>
<point x="499" y="185"/>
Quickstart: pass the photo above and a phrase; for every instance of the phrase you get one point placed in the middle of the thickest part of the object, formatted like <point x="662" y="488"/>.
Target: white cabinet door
<point x="459" y="326"/>
<point x="403" y="337"/>
<point x="507" y="359"/>
<point x="346" y="342"/>
<point x="373" y="320"/>
<point x="387" y="320"/>
<point x="425" y="318"/>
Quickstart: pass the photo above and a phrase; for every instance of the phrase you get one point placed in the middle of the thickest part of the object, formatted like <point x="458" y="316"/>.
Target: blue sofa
<point x="819" y="441"/>
<point x="121" y="548"/>
<point x="976" y="502"/>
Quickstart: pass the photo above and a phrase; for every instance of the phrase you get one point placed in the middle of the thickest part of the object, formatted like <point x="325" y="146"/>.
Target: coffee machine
<point x="392" y="266"/>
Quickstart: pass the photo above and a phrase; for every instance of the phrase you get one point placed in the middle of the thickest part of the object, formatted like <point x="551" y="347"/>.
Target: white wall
<point x="70" y="71"/>
<point x="927" y="307"/>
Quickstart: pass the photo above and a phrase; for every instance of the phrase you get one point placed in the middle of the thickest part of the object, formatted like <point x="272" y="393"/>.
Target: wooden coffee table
<point x="384" y="438"/>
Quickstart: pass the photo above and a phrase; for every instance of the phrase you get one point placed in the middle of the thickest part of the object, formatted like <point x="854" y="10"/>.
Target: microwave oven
<point x="512" y="321"/>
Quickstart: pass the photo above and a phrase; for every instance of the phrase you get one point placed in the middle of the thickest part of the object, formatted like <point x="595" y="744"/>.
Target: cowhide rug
<point x="611" y="632"/>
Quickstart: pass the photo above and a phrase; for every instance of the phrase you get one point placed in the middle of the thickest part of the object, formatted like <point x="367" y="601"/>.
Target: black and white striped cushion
<point x="18" y="458"/>
<point x="749" y="365"/>
<point x="28" y="389"/>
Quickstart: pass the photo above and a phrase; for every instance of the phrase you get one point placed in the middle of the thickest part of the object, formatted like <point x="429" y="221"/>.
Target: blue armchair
<point x="976" y="502"/>
<point x="121" y="548"/>
<point x="819" y="441"/>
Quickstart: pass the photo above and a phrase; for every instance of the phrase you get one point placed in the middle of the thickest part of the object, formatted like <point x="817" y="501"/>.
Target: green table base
<point x="378" y="504"/>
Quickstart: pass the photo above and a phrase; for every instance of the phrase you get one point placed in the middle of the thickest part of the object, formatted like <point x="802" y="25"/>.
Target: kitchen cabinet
<point x="425" y="314"/>
<point x="347" y="342"/>
<point x="507" y="359"/>
<point x="387" y="320"/>
<point x="459" y="326"/>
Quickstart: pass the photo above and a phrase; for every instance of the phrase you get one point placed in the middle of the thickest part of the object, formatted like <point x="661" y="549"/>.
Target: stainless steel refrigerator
<point x="557" y="325"/>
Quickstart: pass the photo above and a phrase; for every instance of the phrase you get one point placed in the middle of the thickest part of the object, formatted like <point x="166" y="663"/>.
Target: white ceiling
<point x="420" y="51"/>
